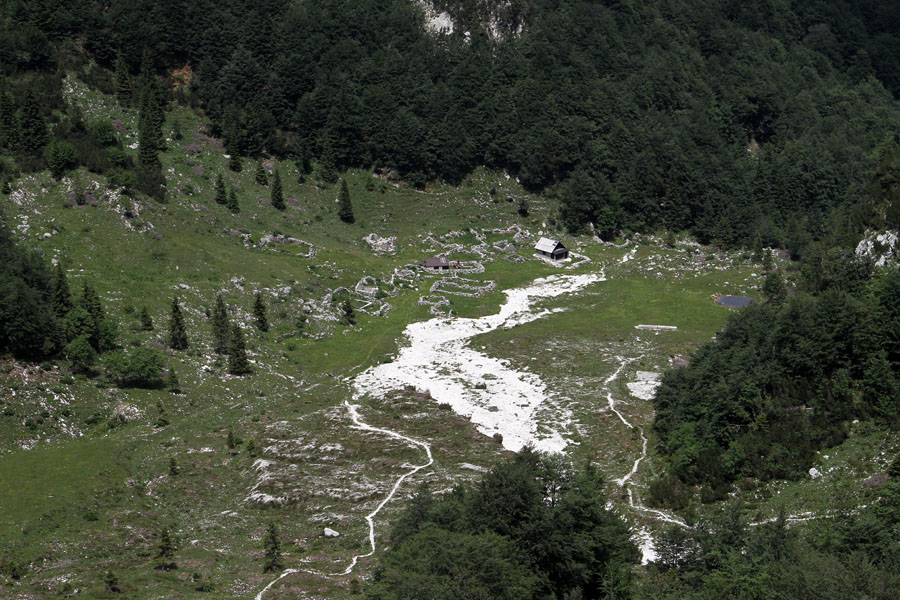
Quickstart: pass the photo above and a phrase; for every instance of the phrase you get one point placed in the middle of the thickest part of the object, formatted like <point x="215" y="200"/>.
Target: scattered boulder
<point x="331" y="532"/>
<point x="380" y="244"/>
<point x="815" y="473"/>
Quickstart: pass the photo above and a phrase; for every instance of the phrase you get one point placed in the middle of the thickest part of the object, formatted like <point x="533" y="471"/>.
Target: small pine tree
<point x="165" y="551"/>
<point x="261" y="178"/>
<point x="231" y="441"/>
<point x="234" y="162"/>
<point x="345" y="210"/>
<point x="349" y="317"/>
<point x="774" y="288"/>
<point x="273" y="561"/>
<point x="277" y="192"/>
<point x="768" y="262"/>
<point x="172" y="381"/>
<point x="523" y="207"/>
<point x="146" y="321"/>
<point x="221" y="195"/>
<point x="7" y="188"/>
<point x="327" y="167"/>
<point x="177" y="334"/>
<point x="62" y="297"/>
<point x="894" y="468"/>
<point x="122" y="81"/>
<point x="233" y="205"/>
<point x="238" y="364"/>
<point x="111" y="581"/>
<point x="220" y="326"/>
<point x="251" y="448"/>
<point x="757" y="248"/>
<point x="161" y="417"/>
<point x="259" y="312"/>
<point x="173" y="467"/>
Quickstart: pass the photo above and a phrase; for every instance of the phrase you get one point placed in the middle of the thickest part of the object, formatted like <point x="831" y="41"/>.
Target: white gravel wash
<point x="439" y="359"/>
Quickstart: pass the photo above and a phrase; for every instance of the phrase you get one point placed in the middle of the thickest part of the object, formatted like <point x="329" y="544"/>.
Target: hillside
<point x="337" y="418"/>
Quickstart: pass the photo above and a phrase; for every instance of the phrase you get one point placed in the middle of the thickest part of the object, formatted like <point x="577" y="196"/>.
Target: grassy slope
<point x="80" y="506"/>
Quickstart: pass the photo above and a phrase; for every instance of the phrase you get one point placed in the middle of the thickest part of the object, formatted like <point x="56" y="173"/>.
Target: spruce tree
<point x="234" y="162"/>
<point x="111" y="581"/>
<point x="9" y="127"/>
<point x="345" y="210"/>
<point x="523" y="207"/>
<point x="757" y="248"/>
<point x="273" y="561"/>
<point x="220" y="326"/>
<point x="277" y="193"/>
<point x="768" y="262"/>
<point x="172" y="381"/>
<point x="162" y="418"/>
<point x="221" y="195"/>
<point x="231" y="441"/>
<point x="259" y="311"/>
<point x="233" y="205"/>
<point x="62" y="297"/>
<point x="261" y="178"/>
<point x="238" y="364"/>
<point x="150" y="178"/>
<point x="177" y="334"/>
<point x="90" y="302"/>
<point x="122" y="81"/>
<point x="165" y="551"/>
<point x="349" y="317"/>
<point x="149" y="129"/>
<point x="146" y="321"/>
<point x="327" y="168"/>
<point x="32" y="127"/>
<point x="173" y="467"/>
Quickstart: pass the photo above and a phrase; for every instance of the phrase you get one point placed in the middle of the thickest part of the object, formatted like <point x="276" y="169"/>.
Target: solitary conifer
<point x="62" y="297"/>
<point x="234" y="162"/>
<point x="146" y="321"/>
<point x="233" y="205"/>
<point x="261" y="178"/>
<point x="238" y="364"/>
<point x="345" y="211"/>
<point x="173" y="467"/>
<point x="165" y="551"/>
<point x="277" y="193"/>
<point x="122" y="81"/>
<point x="177" y="334"/>
<point x="327" y="167"/>
<point x="172" y="381"/>
<point x="349" y="317"/>
<point x="272" y="546"/>
<point x="259" y="311"/>
<point x="221" y="196"/>
<point x="220" y="326"/>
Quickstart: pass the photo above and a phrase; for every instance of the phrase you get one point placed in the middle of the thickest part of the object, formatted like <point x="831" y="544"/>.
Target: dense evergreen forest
<point x="784" y="379"/>
<point x="533" y="527"/>
<point x="728" y="119"/>
<point x="769" y="123"/>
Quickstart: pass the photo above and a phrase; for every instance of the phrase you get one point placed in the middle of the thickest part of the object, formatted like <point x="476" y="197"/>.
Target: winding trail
<point x="353" y="410"/>
<point x="647" y="545"/>
<point x="358" y="423"/>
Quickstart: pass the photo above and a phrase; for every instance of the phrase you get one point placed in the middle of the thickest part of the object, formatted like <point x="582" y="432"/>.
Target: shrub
<point x="142" y="368"/>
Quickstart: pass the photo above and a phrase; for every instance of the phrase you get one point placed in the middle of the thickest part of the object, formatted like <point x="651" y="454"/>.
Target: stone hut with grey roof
<point x="551" y="249"/>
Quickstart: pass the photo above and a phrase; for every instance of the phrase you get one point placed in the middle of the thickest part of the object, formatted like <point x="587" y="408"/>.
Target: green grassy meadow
<point x="85" y="493"/>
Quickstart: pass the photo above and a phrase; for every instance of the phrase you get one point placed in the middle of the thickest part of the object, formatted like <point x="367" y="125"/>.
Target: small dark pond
<point x="734" y="301"/>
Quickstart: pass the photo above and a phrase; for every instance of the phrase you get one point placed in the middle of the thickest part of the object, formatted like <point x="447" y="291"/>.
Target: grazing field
<point x="93" y="473"/>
